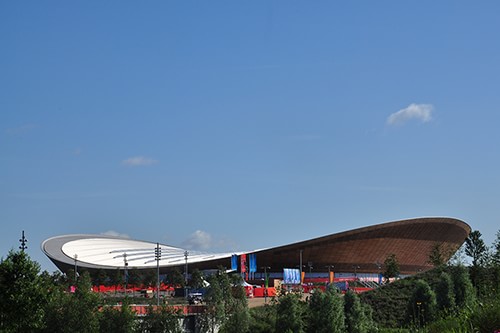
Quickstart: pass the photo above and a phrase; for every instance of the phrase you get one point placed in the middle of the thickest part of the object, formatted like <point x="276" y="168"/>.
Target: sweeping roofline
<point x="107" y="252"/>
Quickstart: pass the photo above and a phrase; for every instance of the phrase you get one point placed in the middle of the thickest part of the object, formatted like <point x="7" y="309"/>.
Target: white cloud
<point x="198" y="240"/>
<point x="139" y="161"/>
<point x="115" y="234"/>
<point x="421" y="112"/>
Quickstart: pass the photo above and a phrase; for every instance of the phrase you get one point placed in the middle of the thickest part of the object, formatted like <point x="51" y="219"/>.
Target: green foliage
<point x="496" y="250"/>
<point x="357" y="315"/>
<point x="175" y="278"/>
<point x="227" y="306"/>
<point x="326" y="312"/>
<point x="439" y="255"/>
<point x="290" y="312"/>
<point x="21" y="294"/>
<point x="445" y="295"/>
<point x="486" y="318"/>
<point x="117" y="320"/>
<point x="475" y="248"/>
<point x="196" y="281"/>
<point x="73" y="312"/>
<point x="422" y="304"/>
<point x="462" y="287"/>
<point x="262" y="319"/>
<point x="391" y="267"/>
<point x="161" y="319"/>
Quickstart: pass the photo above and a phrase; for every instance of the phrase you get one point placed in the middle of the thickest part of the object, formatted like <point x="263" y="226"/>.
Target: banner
<point x="252" y="262"/>
<point x="234" y="262"/>
<point x="291" y="276"/>
<point x="243" y="266"/>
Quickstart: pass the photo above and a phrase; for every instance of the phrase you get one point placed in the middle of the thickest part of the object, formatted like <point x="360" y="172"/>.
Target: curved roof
<point x="362" y="249"/>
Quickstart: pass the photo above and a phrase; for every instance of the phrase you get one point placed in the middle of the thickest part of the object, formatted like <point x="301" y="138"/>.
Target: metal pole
<point x="126" y="272"/>
<point x="186" y="253"/>
<point x="300" y="265"/>
<point x="23" y="241"/>
<point x="158" y="257"/>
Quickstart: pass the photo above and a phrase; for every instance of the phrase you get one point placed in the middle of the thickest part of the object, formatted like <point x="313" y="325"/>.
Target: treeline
<point x="452" y="297"/>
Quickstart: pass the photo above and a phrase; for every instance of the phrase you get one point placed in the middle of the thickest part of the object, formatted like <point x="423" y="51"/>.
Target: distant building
<point x="360" y="250"/>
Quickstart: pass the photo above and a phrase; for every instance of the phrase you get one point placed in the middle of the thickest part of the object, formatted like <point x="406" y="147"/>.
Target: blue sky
<point x="230" y="125"/>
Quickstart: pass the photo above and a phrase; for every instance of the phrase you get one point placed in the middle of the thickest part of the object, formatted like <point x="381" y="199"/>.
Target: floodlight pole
<point x="300" y="266"/>
<point x="23" y="241"/>
<point x="158" y="258"/>
<point x="186" y="253"/>
<point x="76" y="267"/>
<point x="125" y="263"/>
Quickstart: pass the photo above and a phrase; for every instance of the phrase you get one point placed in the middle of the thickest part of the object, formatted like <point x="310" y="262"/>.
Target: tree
<point x="161" y="320"/>
<point x="74" y="312"/>
<point x="475" y="248"/>
<point x="462" y="288"/>
<point x="496" y="250"/>
<point x="196" y="281"/>
<point x="438" y="255"/>
<point x="458" y="258"/>
<point x="357" y="319"/>
<point x="391" y="267"/>
<point x="262" y="319"/>
<point x="236" y="308"/>
<point x="101" y="278"/>
<point x="326" y="312"/>
<point x="422" y="304"/>
<point x="227" y="307"/>
<point x="21" y="293"/>
<point x="117" y="320"/>
<point x="290" y="314"/>
<point x="176" y="278"/>
<point x="445" y="295"/>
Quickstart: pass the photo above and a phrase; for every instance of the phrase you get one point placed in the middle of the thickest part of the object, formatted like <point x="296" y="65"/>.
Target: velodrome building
<point x="362" y="250"/>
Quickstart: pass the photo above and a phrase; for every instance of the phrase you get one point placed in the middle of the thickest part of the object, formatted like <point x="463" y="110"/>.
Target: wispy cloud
<point x="115" y="234"/>
<point x="198" y="240"/>
<point x="139" y="161"/>
<point x="420" y="112"/>
<point x="20" y="130"/>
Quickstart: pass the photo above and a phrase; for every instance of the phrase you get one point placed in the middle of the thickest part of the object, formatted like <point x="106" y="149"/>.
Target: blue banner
<point x="291" y="276"/>
<point x="234" y="262"/>
<point x="253" y="263"/>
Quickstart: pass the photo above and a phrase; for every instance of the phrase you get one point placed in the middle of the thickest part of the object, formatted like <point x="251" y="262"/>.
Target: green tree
<point x="22" y="293"/>
<point x="496" y="250"/>
<point x="465" y="296"/>
<point x="101" y="278"/>
<point x="290" y="314"/>
<point x="150" y="278"/>
<point x="475" y="248"/>
<point x="422" y="304"/>
<point x="262" y="319"/>
<point x="357" y="318"/>
<point x="236" y="308"/>
<point x="196" y="281"/>
<point x="74" y="312"/>
<point x="438" y="255"/>
<point x="161" y="319"/>
<point x="175" y="278"/>
<point x="445" y="295"/>
<point x="326" y="312"/>
<point x="117" y="278"/>
<point x="391" y="265"/>
<point x="117" y="320"/>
